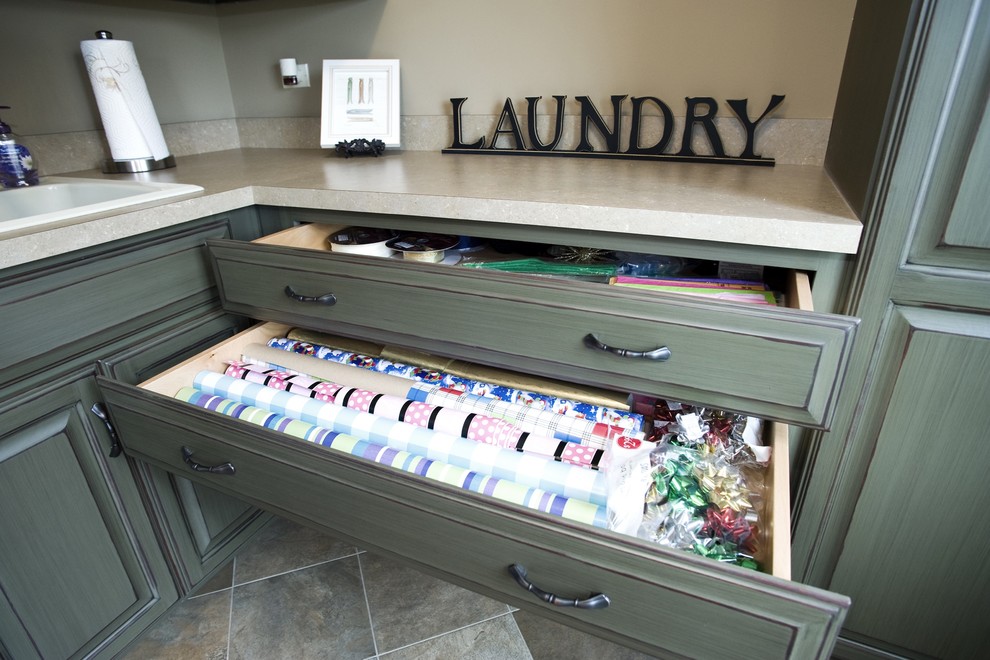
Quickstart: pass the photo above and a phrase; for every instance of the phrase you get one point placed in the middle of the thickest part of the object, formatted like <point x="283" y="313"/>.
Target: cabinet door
<point x="200" y="528"/>
<point x="914" y="553"/>
<point x="79" y="568"/>
<point x="954" y="231"/>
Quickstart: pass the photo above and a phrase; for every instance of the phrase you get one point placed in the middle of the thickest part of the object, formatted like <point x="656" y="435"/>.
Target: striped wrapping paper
<point x="472" y="426"/>
<point x="501" y="489"/>
<point x="630" y="422"/>
<point x="571" y="429"/>
<point x="526" y="469"/>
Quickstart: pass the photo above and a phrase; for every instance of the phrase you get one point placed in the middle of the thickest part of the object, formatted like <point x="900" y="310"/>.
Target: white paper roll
<point x="126" y="109"/>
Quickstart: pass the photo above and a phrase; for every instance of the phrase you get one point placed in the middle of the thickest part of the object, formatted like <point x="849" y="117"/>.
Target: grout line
<point x="367" y="606"/>
<point x="449" y="632"/>
<point x="293" y="570"/>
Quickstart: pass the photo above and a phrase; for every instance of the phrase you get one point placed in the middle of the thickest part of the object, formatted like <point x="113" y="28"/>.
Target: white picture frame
<point x="360" y="100"/>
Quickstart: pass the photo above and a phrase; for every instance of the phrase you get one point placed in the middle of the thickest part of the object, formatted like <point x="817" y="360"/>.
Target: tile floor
<point x="295" y="593"/>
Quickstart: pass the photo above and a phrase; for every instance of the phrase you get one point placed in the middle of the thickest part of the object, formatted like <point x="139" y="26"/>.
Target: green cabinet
<point x="93" y="547"/>
<point x="894" y="498"/>
<point x="79" y="565"/>
<point x="201" y="527"/>
<point x="923" y="505"/>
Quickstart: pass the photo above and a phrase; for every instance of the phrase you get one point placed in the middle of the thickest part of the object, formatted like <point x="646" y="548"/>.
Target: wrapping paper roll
<point x="558" y="389"/>
<point x="526" y="469"/>
<point x="631" y="423"/>
<point x="569" y="429"/>
<point x="593" y="395"/>
<point x="345" y="343"/>
<point x="501" y="489"/>
<point x="332" y="371"/>
<point x="469" y="425"/>
<point x="128" y="114"/>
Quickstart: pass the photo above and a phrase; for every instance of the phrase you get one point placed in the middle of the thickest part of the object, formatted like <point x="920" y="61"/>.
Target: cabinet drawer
<point x="776" y="363"/>
<point x="658" y="596"/>
<point x="67" y="310"/>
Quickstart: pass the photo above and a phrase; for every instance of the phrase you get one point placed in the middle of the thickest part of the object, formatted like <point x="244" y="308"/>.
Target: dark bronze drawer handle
<point x="659" y="354"/>
<point x="325" y="299"/>
<point x="223" y="468"/>
<point x="594" y="602"/>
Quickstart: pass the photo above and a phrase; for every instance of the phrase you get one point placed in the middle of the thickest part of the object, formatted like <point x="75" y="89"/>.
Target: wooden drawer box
<point x="658" y="596"/>
<point x="776" y="363"/>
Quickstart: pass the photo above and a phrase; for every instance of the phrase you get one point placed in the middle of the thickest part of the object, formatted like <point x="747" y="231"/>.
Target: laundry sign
<point x="508" y="138"/>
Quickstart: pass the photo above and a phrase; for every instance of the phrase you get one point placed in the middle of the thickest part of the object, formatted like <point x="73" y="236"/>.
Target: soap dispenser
<point x="16" y="164"/>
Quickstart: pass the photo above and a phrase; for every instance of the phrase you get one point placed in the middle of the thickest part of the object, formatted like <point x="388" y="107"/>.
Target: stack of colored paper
<point x="733" y="290"/>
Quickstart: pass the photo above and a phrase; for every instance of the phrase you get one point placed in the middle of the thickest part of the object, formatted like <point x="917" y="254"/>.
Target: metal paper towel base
<point x="137" y="165"/>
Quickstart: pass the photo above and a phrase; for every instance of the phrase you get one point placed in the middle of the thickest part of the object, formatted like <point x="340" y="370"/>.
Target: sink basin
<point x="63" y="198"/>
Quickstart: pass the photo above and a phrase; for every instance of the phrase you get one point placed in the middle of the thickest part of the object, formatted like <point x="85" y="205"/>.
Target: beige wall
<point x="203" y="62"/>
<point x="488" y="50"/>
<point x="212" y="70"/>
<point x="43" y="78"/>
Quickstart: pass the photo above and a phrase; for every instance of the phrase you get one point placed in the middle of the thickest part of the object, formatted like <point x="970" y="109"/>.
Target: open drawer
<point x="658" y="597"/>
<point x="775" y="363"/>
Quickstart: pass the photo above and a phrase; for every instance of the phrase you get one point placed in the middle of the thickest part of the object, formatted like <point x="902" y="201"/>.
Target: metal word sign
<point x="700" y="113"/>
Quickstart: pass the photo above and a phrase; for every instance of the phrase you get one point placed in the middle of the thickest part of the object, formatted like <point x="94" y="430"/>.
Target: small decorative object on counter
<point x="16" y="164"/>
<point x="360" y="147"/>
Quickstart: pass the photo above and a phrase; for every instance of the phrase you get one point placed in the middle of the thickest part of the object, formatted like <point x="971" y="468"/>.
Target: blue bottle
<point x="16" y="164"/>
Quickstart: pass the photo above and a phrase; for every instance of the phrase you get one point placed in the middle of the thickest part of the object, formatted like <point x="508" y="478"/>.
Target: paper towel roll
<point x="126" y="109"/>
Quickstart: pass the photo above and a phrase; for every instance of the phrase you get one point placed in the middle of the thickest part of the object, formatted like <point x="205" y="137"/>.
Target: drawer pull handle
<point x="659" y="354"/>
<point x="594" y="602"/>
<point x="223" y="468"/>
<point x="325" y="299"/>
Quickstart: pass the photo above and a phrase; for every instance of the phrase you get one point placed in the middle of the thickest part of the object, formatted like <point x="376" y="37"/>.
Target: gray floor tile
<point x="495" y="639"/>
<point x="195" y="629"/>
<point x="285" y="546"/>
<point x="408" y="606"/>
<point x="548" y="640"/>
<point x="317" y="612"/>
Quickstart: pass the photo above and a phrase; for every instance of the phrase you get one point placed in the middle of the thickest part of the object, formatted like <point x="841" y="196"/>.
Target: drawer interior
<point x="795" y="285"/>
<point x="776" y="529"/>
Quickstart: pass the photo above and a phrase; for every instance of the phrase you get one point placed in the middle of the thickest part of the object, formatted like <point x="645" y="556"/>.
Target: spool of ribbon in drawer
<point x="526" y="469"/>
<point x="501" y="489"/>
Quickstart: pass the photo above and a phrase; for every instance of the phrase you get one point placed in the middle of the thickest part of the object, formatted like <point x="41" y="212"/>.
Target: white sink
<point x="63" y="198"/>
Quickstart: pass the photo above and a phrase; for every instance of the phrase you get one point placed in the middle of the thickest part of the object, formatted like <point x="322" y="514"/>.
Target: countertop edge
<point x="810" y="217"/>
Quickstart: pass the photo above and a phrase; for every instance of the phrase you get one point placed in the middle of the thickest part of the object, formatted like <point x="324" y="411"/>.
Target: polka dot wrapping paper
<point x="469" y="425"/>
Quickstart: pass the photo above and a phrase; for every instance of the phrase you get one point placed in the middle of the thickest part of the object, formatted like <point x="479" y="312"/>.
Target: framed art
<point x="360" y="100"/>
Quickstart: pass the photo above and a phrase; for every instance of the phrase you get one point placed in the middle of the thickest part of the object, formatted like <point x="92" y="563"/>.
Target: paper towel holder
<point x="133" y="165"/>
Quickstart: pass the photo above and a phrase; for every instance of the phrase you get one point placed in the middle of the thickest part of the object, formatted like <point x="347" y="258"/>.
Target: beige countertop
<point x="787" y="206"/>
